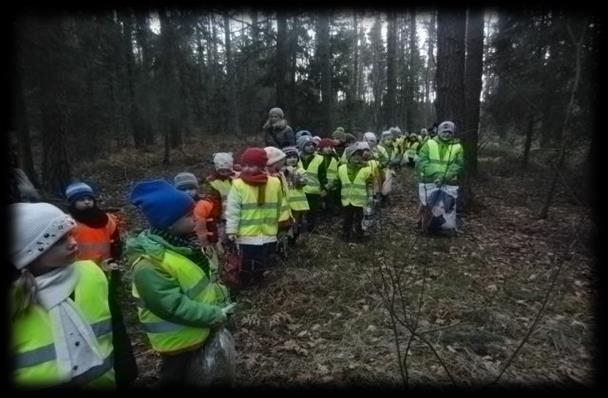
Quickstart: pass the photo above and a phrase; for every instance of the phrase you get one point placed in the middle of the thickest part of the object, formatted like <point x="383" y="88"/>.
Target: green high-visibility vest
<point x="354" y="192"/>
<point x="33" y="344"/>
<point x="313" y="186"/>
<point x="296" y="197"/>
<point x="437" y="164"/>
<point x="169" y="337"/>
<point x="258" y="219"/>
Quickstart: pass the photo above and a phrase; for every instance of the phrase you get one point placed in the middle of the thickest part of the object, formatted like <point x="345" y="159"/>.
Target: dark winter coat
<point x="279" y="135"/>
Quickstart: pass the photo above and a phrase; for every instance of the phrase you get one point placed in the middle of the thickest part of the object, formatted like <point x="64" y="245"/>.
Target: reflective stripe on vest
<point x="94" y="243"/>
<point x="355" y="192"/>
<point x="449" y="155"/>
<point x="33" y="345"/>
<point x="313" y="186"/>
<point x="169" y="337"/>
<point x="258" y="220"/>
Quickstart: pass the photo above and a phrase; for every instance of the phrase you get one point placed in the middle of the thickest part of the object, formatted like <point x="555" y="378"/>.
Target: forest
<point x="112" y="96"/>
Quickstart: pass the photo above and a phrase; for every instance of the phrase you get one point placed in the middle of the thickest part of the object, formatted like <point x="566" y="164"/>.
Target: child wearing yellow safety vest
<point x="253" y="212"/>
<point x="296" y="197"/>
<point x="330" y="161"/>
<point x="316" y="176"/>
<point x="60" y="316"/>
<point x="356" y="181"/>
<point x="178" y="302"/>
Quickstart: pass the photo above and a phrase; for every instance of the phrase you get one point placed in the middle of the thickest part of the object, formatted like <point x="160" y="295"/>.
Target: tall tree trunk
<point x="56" y="170"/>
<point x="281" y="60"/>
<point x="169" y="99"/>
<point x="355" y="82"/>
<point x="473" y="72"/>
<point x="22" y="130"/>
<point x="528" y="143"/>
<point x="413" y="73"/>
<point x="293" y="57"/>
<point x="432" y="35"/>
<point x="565" y="127"/>
<point x="450" y="66"/>
<point x="145" y="103"/>
<point x="233" y="114"/>
<point x="324" y="58"/>
<point x="391" y="64"/>
<point x="127" y="42"/>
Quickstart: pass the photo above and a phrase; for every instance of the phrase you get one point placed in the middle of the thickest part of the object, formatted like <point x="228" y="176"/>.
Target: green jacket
<point x="161" y="293"/>
<point x="428" y="172"/>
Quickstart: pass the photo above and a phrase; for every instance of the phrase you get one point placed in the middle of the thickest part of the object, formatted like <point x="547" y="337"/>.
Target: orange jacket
<point x="95" y="243"/>
<point x="203" y="211"/>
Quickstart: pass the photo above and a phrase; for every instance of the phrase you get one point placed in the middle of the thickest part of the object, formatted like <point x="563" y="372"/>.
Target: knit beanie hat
<point x="78" y="190"/>
<point x="223" y="160"/>
<point x="370" y="137"/>
<point x="254" y="157"/>
<point x="290" y="150"/>
<point x="349" y="138"/>
<point x="387" y="134"/>
<point x="274" y="155"/>
<point x="303" y="133"/>
<point x="326" y="142"/>
<point x="339" y="134"/>
<point x="277" y="111"/>
<point x="446" y="126"/>
<point x="161" y="203"/>
<point x="317" y="139"/>
<point x="302" y="141"/>
<point x="184" y="181"/>
<point x="36" y="227"/>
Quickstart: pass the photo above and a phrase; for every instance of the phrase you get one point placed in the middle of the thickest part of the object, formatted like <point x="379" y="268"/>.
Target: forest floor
<point x="320" y="317"/>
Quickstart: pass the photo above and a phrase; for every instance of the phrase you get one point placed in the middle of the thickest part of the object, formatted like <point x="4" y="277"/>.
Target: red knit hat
<point x="254" y="157"/>
<point x="326" y="142"/>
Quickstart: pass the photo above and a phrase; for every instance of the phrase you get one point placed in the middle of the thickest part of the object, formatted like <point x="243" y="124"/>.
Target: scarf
<point x="259" y="180"/>
<point x="189" y="242"/>
<point x="69" y="324"/>
<point x="92" y="217"/>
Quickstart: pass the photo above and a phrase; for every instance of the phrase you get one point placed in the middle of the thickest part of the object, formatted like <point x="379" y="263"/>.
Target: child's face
<point x="184" y="225"/>
<point x="193" y="192"/>
<point x="224" y="172"/>
<point x="250" y="169"/>
<point x="388" y="140"/>
<point x="326" y="150"/>
<point x="309" y="148"/>
<point x="61" y="254"/>
<point x="367" y="155"/>
<point x="291" y="160"/>
<point x="357" y="158"/>
<point x="84" y="203"/>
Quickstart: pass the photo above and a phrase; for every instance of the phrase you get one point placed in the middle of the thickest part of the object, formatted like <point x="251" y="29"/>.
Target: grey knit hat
<point x="185" y="180"/>
<point x="302" y="141"/>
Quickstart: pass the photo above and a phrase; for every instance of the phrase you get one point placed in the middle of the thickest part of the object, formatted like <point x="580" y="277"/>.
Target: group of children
<point x="67" y="325"/>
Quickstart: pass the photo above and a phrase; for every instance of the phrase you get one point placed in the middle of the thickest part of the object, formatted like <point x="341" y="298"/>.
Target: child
<point x="253" y="213"/>
<point x="276" y="165"/>
<point x="188" y="183"/>
<point x="178" y="305"/>
<point x="98" y="238"/>
<point x="206" y="216"/>
<point x="389" y="170"/>
<point x="296" y="197"/>
<point x="339" y="137"/>
<point x="316" y="176"/>
<point x="221" y="179"/>
<point x="411" y="153"/>
<point x="356" y="183"/>
<point x="60" y="316"/>
<point x="330" y="163"/>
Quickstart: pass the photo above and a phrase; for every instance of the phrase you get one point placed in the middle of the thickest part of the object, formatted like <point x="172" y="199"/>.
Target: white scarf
<point x="69" y="324"/>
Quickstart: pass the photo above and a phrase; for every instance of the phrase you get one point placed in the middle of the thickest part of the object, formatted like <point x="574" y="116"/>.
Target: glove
<point x="229" y="309"/>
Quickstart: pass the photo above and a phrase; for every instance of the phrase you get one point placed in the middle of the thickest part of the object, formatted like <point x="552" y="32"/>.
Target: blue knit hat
<point x="78" y="190"/>
<point x="161" y="203"/>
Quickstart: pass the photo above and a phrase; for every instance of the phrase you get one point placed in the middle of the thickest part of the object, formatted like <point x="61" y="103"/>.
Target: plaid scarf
<point x="189" y="242"/>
